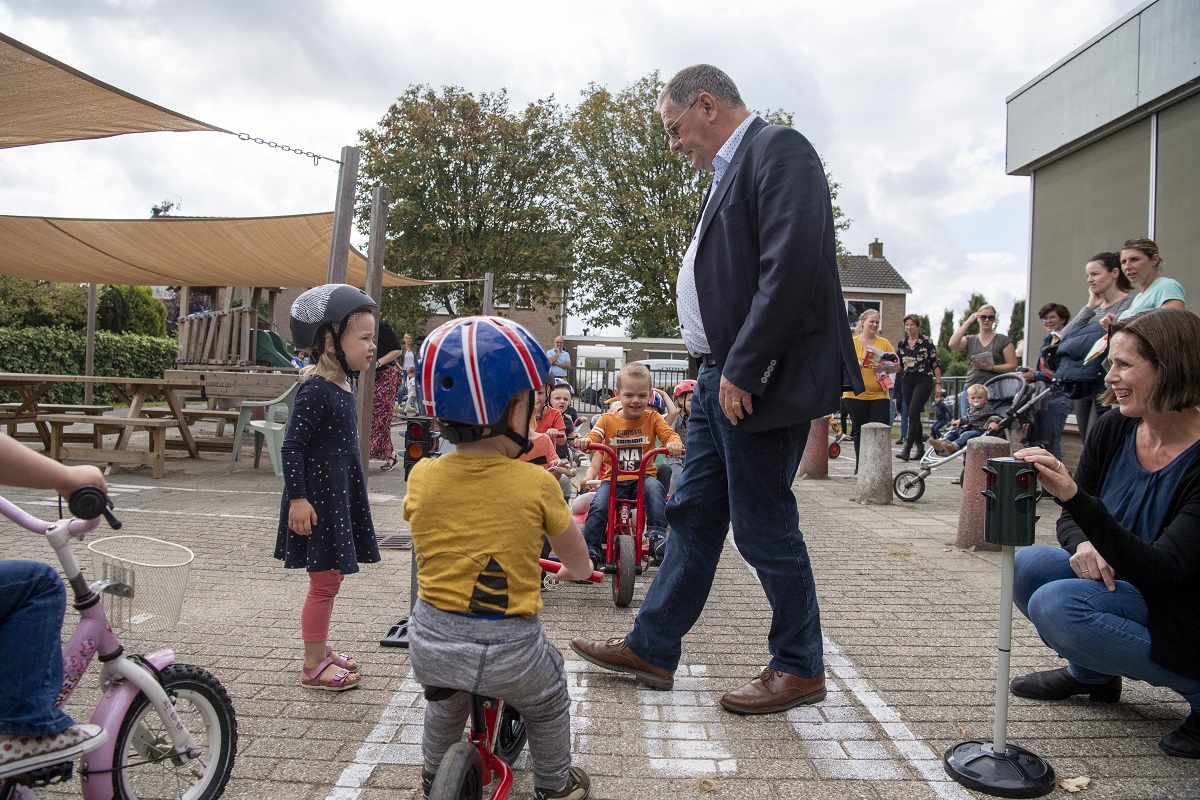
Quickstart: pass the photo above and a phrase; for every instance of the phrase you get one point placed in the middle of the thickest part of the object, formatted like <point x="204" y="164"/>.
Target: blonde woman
<point x="873" y="403"/>
<point x="988" y="353"/>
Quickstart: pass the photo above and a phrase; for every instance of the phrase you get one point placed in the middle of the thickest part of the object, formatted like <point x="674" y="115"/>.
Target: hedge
<point x="59" y="351"/>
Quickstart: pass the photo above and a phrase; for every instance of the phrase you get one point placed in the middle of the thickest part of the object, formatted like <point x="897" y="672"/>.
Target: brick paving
<point x="909" y="620"/>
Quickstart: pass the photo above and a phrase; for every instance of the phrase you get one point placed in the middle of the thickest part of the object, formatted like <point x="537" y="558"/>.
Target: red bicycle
<point x="497" y="737"/>
<point x="625" y="547"/>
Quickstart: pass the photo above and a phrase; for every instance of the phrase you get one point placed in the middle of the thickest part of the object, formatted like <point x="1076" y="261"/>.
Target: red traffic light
<point x="416" y="430"/>
<point x="1025" y="479"/>
<point x="989" y="477"/>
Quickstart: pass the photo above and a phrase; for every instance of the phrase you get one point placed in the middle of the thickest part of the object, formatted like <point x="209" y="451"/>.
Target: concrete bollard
<point x="972" y="510"/>
<point x="875" y="464"/>
<point x="815" y="461"/>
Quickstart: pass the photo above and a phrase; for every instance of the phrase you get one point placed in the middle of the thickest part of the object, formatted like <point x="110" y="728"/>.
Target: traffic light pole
<point x="1000" y="768"/>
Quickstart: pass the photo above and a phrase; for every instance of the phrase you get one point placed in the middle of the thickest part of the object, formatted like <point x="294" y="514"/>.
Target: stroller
<point x="1013" y="399"/>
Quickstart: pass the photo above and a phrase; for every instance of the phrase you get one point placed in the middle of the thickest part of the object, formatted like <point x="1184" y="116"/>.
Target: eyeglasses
<point x="673" y="128"/>
<point x="988" y="317"/>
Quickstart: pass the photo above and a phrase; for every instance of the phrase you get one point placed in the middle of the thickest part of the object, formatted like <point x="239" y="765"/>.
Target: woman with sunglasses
<point x="988" y="353"/>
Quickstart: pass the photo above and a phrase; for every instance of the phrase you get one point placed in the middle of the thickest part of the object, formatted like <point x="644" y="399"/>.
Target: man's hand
<point x="735" y="403"/>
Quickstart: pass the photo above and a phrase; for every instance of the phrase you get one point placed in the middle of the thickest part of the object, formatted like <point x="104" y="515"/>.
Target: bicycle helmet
<point x="658" y="403"/>
<point x="326" y="308"/>
<point x="563" y="382"/>
<point x="470" y="370"/>
<point x="684" y="386"/>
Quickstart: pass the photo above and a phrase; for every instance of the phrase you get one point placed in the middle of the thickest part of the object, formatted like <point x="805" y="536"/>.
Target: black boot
<point x="1184" y="741"/>
<point x="904" y="454"/>
<point x="1057" y="684"/>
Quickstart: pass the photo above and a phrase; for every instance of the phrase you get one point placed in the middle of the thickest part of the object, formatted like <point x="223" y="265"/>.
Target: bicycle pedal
<point x="48" y="776"/>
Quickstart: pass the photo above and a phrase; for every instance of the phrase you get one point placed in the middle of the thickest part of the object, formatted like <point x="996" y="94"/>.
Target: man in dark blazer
<point x="760" y="305"/>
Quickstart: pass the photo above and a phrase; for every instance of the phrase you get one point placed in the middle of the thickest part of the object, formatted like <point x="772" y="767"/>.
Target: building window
<point x="501" y="297"/>
<point x="855" y="309"/>
<point x="524" y="296"/>
<point x="674" y="355"/>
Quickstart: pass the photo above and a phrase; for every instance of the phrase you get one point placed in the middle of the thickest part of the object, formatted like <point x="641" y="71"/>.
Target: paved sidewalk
<point x="910" y="623"/>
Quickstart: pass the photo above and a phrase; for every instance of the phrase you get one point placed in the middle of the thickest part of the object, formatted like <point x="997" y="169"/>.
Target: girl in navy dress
<point x="325" y="520"/>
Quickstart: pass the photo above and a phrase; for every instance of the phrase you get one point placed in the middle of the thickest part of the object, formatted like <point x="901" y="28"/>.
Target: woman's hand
<point x="1107" y="320"/>
<point x="1052" y="474"/>
<point x="1094" y="300"/>
<point x="1090" y="565"/>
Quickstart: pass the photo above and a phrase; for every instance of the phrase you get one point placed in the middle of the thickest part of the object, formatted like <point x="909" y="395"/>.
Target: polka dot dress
<point x="321" y="462"/>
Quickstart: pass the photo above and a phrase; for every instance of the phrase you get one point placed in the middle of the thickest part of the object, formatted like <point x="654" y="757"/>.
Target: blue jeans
<point x="33" y="600"/>
<point x="595" y="528"/>
<point x="960" y="441"/>
<point x="1050" y="421"/>
<point x="1100" y="633"/>
<point x="744" y="478"/>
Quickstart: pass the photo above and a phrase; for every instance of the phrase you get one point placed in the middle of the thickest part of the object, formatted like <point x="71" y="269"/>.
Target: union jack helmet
<point x="471" y="366"/>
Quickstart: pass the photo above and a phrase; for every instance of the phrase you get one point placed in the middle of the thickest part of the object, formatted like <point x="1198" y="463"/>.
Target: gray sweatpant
<point x="510" y="659"/>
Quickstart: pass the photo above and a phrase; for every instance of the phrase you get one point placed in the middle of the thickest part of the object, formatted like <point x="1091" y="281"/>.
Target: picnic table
<point x="133" y="391"/>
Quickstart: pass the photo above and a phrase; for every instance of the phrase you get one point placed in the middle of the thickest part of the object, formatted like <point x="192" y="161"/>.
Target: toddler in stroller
<point x="980" y="417"/>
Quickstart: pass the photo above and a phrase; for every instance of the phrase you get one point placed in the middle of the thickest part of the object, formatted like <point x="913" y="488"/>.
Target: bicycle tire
<point x="623" y="578"/>
<point x="510" y="734"/>
<point x="205" y="708"/>
<point x="460" y="775"/>
<point x="908" y="486"/>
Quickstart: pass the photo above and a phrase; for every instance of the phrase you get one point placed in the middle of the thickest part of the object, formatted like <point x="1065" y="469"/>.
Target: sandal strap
<point x="314" y="674"/>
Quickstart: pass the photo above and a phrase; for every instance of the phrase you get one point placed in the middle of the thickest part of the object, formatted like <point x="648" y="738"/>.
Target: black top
<point x="1166" y="570"/>
<point x="920" y="359"/>
<point x="386" y="344"/>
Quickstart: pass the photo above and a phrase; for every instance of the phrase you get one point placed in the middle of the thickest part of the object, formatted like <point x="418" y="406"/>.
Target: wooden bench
<point x="101" y="425"/>
<point x="12" y="416"/>
<point x="228" y="388"/>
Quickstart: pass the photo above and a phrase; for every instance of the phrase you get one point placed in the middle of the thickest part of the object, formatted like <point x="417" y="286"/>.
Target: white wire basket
<point x="155" y="573"/>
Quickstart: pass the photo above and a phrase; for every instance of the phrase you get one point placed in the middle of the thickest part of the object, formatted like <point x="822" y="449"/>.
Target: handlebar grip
<point x="89" y="502"/>
<point x="555" y="566"/>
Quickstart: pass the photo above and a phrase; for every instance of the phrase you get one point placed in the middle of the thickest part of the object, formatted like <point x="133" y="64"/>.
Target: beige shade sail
<point x="44" y="100"/>
<point x="291" y="251"/>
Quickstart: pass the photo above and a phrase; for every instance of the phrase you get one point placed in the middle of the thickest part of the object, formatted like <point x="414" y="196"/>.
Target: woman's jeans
<point x="916" y="389"/>
<point x="1050" y="421"/>
<point x="1100" y="633"/>
<point x="33" y="600"/>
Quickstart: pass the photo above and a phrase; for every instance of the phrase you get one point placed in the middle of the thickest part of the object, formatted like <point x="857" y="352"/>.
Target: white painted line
<point x="843" y="745"/>
<point x="402" y="720"/>
<point x="126" y="510"/>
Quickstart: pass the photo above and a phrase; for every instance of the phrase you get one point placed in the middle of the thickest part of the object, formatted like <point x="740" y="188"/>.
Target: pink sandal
<point x="339" y="682"/>
<point x="343" y="660"/>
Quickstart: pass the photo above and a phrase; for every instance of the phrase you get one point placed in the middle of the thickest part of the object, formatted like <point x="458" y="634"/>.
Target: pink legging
<point x="318" y="606"/>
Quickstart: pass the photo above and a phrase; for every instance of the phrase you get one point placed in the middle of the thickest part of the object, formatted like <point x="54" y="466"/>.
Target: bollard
<point x="875" y="464"/>
<point x="972" y="511"/>
<point x="815" y="461"/>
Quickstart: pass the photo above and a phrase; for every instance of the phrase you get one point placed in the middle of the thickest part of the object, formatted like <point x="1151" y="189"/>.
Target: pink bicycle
<point x="170" y="729"/>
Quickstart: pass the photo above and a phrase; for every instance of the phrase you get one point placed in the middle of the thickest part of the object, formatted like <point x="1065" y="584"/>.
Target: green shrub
<point x="58" y="351"/>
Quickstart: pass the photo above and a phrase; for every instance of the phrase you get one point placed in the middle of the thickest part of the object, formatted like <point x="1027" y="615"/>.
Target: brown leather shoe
<point x="774" y="691"/>
<point x="615" y="655"/>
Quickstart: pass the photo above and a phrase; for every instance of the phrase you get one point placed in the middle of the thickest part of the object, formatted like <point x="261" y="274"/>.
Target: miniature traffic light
<point x="1012" y="493"/>
<point x="418" y="441"/>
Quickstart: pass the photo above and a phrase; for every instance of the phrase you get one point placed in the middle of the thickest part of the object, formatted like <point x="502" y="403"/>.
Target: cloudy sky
<point x="903" y="98"/>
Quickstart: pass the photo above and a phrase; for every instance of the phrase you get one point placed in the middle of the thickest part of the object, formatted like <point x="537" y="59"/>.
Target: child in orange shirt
<point x="631" y="430"/>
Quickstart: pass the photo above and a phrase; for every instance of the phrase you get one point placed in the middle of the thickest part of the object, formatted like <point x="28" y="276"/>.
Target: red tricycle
<point x="625" y="547"/>
<point x="497" y="737"/>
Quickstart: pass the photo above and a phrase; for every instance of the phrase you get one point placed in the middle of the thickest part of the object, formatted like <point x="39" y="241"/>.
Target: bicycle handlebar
<point x="87" y="503"/>
<point x="555" y="566"/>
<point x="647" y="458"/>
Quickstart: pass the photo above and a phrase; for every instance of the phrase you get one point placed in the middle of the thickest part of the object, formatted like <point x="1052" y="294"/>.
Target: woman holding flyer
<point x="879" y="362"/>
<point x="988" y="353"/>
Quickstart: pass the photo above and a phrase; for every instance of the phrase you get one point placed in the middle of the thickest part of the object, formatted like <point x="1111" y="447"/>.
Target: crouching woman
<point x="1121" y="597"/>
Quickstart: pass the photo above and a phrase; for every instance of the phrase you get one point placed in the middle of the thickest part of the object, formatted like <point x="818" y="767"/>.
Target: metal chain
<point x="316" y="159"/>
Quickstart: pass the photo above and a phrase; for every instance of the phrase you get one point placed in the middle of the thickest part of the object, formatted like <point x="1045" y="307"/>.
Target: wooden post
<point x="488" y="281"/>
<point x="374" y="287"/>
<point x="89" y="353"/>
<point x="343" y="217"/>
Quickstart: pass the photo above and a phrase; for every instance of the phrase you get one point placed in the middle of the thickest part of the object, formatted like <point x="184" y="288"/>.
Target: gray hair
<point x="689" y="82"/>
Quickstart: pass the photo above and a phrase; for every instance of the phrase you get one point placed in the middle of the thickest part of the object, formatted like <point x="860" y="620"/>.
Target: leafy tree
<point x="28" y="304"/>
<point x="947" y="329"/>
<point x="131" y="309"/>
<point x="1016" y="323"/>
<point x="976" y="302"/>
<point x="635" y="205"/>
<point x="474" y="188"/>
<point x="924" y="326"/>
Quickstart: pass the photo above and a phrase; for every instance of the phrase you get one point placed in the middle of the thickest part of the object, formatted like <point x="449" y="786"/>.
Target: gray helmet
<point x="322" y="306"/>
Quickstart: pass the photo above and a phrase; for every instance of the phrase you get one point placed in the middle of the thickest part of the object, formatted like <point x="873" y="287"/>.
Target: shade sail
<point x="44" y="100"/>
<point x="287" y="251"/>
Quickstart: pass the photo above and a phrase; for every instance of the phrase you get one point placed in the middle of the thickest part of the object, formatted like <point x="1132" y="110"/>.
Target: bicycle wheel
<point x="510" y="734"/>
<point x="835" y="450"/>
<point x="460" y="775"/>
<point x="142" y="764"/>
<point x="622" y="584"/>
<point x="908" y="486"/>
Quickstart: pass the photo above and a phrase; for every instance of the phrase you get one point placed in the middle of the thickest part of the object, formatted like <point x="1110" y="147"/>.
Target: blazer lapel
<point x="709" y="210"/>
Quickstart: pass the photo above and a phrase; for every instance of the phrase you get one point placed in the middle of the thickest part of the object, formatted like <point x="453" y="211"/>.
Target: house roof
<point x="872" y="274"/>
